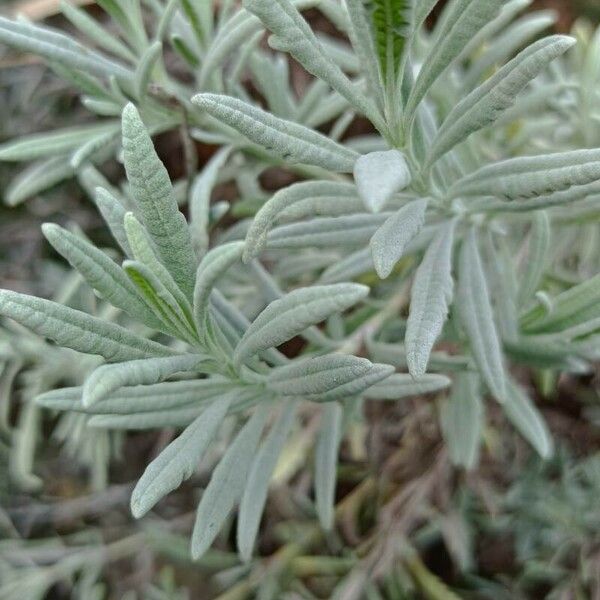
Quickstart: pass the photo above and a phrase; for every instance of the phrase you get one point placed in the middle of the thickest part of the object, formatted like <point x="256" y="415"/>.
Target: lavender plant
<point x="429" y="257"/>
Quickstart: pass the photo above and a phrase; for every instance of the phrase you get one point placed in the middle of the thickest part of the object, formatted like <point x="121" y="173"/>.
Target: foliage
<point x="477" y="190"/>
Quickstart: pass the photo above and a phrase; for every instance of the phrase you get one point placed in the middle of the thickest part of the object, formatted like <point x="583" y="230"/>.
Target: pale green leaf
<point x="402" y="385"/>
<point x="292" y="314"/>
<point x="430" y="297"/>
<point x="538" y="248"/>
<point x="227" y="483"/>
<point x="213" y="266"/>
<point x="77" y="330"/>
<point x="527" y="419"/>
<point x="327" y="232"/>
<point x="325" y="378"/>
<point x="474" y="309"/>
<point x="530" y="176"/>
<point x="285" y="201"/>
<point x="462" y="420"/>
<point x="326" y="454"/>
<point x="464" y="20"/>
<point x="379" y="175"/>
<point x="390" y="240"/>
<point x="108" y="378"/>
<point x="487" y="102"/>
<point x="178" y="461"/>
<point x="153" y="192"/>
<point x="294" y="35"/>
<point x="40" y="145"/>
<point x="284" y="139"/>
<point x="101" y="272"/>
<point x="58" y="47"/>
<point x="187" y="393"/>
<point x="200" y="199"/>
<point x="257" y="487"/>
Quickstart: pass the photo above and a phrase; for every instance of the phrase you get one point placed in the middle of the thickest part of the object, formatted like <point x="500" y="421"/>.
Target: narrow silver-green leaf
<point x="101" y="272"/>
<point x="285" y="200"/>
<point x="326" y="458"/>
<point x="257" y="487"/>
<point x="462" y="420"/>
<point x="531" y="176"/>
<point x="227" y="483"/>
<point x="402" y="385"/>
<point x="294" y="35"/>
<point x="108" y="378"/>
<point x="325" y="378"/>
<point x="487" y="102"/>
<point x="213" y="266"/>
<point x="187" y="393"/>
<point x="327" y="232"/>
<point x="113" y="213"/>
<point x="153" y="192"/>
<point x="77" y="330"/>
<point x="284" y="139"/>
<point x="292" y="314"/>
<point x="200" y="199"/>
<point x="475" y="312"/>
<point x="465" y="19"/>
<point x="58" y="47"/>
<point x="430" y="297"/>
<point x="178" y="461"/>
<point x="39" y="145"/>
<point x="390" y="240"/>
<point x="527" y="419"/>
<point x="538" y="247"/>
<point x="573" y="308"/>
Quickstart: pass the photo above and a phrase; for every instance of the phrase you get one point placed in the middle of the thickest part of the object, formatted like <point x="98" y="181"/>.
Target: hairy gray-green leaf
<point x="162" y="302"/>
<point x="390" y="240"/>
<point x="103" y="274"/>
<point x="113" y="213"/>
<point x="39" y="145"/>
<point x="326" y="454"/>
<point x="474" y="309"/>
<point x="178" y="461"/>
<point x="213" y="266"/>
<point x="77" y="330"/>
<point x="109" y="378"/>
<point x="292" y="314"/>
<point x="142" y="398"/>
<point x="379" y="175"/>
<point x="325" y="378"/>
<point x="430" y="297"/>
<point x="284" y="200"/>
<point x="401" y="385"/>
<point x="530" y="176"/>
<point x="487" y="102"/>
<point x="351" y="230"/>
<point x="285" y="139"/>
<point x="58" y="47"/>
<point x="527" y="419"/>
<point x="465" y="19"/>
<point x="462" y="420"/>
<point x="173" y="417"/>
<point x="361" y="36"/>
<point x="200" y="199"/>
<point x="153" y="192"/>
<point x="294" y="35"/>
<point x="227" y="483"/>
<point x="572" y="308"/>
<point x="257" y="487"/>
<point x="539" y="245"/>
